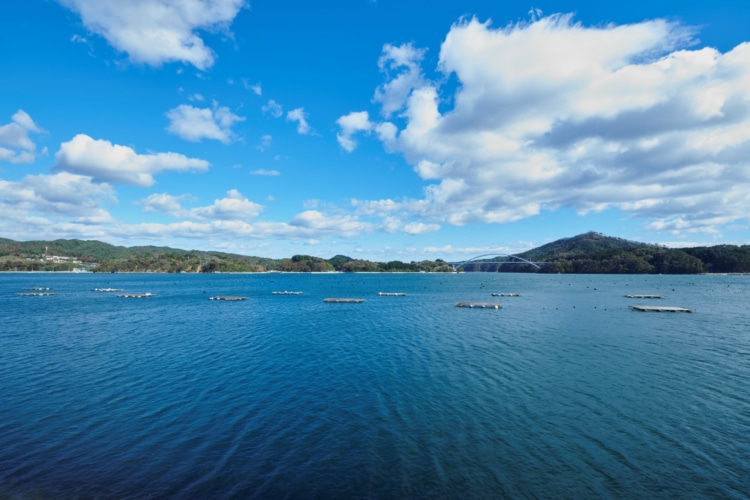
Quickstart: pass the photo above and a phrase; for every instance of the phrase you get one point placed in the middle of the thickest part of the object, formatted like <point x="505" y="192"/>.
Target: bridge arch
<point x="508" y="260"/>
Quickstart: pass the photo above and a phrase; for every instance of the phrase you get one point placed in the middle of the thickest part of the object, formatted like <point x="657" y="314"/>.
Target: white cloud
<point x="404" y="61"/>
<point x="379" y="207"/>
<point x="15" y="135"/>
<point x="314" y="222"/>
<point x="420" y="228"/>
<point x="158" y="31"/>
<point x="551" y="114"/>
<point x="60" y="195"/>
<point x="272" y="108"/>
<point x="298" y="115"/>
<point x="262" y="171"/>
<point x="194" y="124"/>
<point x="391" y="224"/>
<point x="357" y="121"/>
<point x="257" y="89"/>
<point x="70" y="206"/>
<point x="233" y="207"/>
<point x="309" y="225"/>
<point x="112" y="163"/>
<point x="164" y="203"/>
<point x="265" y="142"/>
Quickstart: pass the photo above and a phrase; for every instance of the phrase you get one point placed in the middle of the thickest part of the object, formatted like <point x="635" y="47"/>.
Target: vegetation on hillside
<point x="586" y="253"/>
<point x="67" y="255"/>
<point x="595" y="253"/>
<point x="723" y="258"/>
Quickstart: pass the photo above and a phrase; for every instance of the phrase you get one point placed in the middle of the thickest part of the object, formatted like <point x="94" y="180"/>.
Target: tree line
<point x="594" y="253"/>
<point x="591" y="252"/>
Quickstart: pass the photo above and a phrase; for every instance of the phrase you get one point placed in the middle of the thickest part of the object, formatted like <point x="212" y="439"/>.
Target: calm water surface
<point x="563" y="393"/>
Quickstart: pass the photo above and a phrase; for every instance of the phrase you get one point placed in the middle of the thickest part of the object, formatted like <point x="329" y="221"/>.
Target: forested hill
<point x="596" y="253"/>
<point x="586" y="253"/>
<point x="64" y="255"/>
<point x="67" y="255"/>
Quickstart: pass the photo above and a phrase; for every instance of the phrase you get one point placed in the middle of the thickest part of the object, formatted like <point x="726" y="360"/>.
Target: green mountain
<point x="64" y="255"/>
<point x="595" y="253"/>
<point x="585" y="253"/>
<point x="723" y="258"/>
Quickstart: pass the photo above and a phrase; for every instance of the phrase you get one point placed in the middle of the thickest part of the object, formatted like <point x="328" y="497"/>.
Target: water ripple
<point x="564" y="392"/>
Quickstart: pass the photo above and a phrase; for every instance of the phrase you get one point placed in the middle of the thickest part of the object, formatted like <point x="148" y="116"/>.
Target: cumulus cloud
<point x="307" y="225"/>
<point x="69" y="205"/>
<point x="59" y="195"/>
<point x="111" y="163"/>
<point x="256" y="89"/>
<point x="164" y="203"/>
<point x="265" y="142"/>
<point x="272" y="108"/>
<point x="298" y="115"/>
<point x="420" y="228"/>
<point x="154" y="32"/>
<point x="263" y="171"/>
<point x="552" y="113"/>
<point x="314" y="222"/>
<point x="194" y="124"/>
<point x="15" y="135"/>
<point x="402" y="65"/>
<point x="357" y="121"/>
<point x="232" y="207"/>
<point x="392" y="224"/>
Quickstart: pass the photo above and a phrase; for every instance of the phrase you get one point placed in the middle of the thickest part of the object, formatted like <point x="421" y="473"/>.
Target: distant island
<point x="588" y="253"/>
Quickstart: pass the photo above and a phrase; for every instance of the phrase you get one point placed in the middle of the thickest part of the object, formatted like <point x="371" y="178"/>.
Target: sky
<point x="377" y="129"/>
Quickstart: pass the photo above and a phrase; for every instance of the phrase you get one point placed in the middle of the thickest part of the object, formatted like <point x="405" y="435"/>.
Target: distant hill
<point x="596" y="253"/>
<point x="586" y="244"/>
<point x="585" y="253"/>
<point x="103" y="257"/>
<point x="66" y="255"/>
<point x="723" y="258"/>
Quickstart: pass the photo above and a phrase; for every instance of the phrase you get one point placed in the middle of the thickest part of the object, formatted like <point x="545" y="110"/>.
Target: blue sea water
<point x="565" y="392"/>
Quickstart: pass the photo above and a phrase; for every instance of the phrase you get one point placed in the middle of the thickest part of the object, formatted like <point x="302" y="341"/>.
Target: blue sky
<point x="380" y="129"/>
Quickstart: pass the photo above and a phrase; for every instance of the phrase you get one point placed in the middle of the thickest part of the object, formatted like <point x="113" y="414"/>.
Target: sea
<point x="563" y="392"/>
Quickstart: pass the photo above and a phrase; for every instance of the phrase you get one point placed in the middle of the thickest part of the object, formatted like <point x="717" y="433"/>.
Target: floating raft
<point x="36" y="294"/>
<point x="479" y="305"/>
<point x="661" y="309"/>
<point x="286" y="293"/>
<point x="644" y="297"/>
<point x="108" y="289"/>
<point x="506" y="294"/>
<point x="135" y="295"/>
<point x="345" y="301"/>
<point x="391" y="294"/>
<point x="231" y="298"/>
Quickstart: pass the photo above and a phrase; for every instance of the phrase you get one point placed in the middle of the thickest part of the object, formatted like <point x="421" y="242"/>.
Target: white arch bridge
<point x="493" y="259"/>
